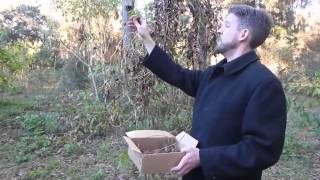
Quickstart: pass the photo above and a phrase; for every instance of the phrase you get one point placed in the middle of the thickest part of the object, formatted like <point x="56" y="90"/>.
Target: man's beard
<point x="224" y="47"/>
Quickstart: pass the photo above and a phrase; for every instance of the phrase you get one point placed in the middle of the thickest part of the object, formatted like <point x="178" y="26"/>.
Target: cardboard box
<point x="142" y="142"/>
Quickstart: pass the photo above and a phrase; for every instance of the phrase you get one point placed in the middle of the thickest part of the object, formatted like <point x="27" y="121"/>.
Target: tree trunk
<point x="127" y="5"/>
<point x="202" y="42"/>
<point x="199" y="25"/>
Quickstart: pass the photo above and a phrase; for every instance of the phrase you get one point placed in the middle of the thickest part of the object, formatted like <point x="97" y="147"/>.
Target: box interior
<point x="155" y="144"/>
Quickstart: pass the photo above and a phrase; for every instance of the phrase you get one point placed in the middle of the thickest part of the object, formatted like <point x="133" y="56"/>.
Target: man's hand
<point x="140" y="26"/>
<point x="136" y="24"/>
<point x="189" y="161"/>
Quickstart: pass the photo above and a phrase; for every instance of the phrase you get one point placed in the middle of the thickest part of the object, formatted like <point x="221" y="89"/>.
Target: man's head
<point x="244" y="26"/>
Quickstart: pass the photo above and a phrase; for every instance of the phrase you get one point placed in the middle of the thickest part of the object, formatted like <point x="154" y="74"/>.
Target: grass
<point x="69" y="140"/>
<point x="73" y="149"/>
<point x="14" y="106"/>
<point x="301" y="143"/>
<point x="39" y="173"/>
<point x="27" y="147"/>
<point x="104" y="149"/>
<point x="98" y="175"/>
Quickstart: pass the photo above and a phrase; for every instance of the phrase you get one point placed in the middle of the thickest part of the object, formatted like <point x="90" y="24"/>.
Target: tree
<point x="188" y="29"/>
<point x="23" y="23"/>
<point x="13" y="59"/>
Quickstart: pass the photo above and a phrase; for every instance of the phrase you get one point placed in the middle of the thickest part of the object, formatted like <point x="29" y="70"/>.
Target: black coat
<point x="239" y="115"/>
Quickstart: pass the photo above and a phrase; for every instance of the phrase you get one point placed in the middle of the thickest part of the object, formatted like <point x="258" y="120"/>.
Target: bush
<point x="9" y="64"/>
<point x="28" y="146"/>
<point x="40" y="124"/>
<point x="309" y="86"/>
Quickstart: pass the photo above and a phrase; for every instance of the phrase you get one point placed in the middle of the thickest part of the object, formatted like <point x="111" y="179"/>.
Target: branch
<point x="89" y="68"/>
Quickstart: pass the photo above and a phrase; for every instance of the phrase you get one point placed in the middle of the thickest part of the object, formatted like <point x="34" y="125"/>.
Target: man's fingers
<point x="133" y="23"/>
<point x="187" y="163"/>
<point x="180" y="165"/>
<point x="184" y="170"/>
<point x="136" y="22"/>
<point x="132" y="26"/>
<point x="133" y="17"/>
<point x="177" y="168"/>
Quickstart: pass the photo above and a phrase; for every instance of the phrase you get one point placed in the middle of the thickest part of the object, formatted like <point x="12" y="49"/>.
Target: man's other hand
<point x="189" y="161"/>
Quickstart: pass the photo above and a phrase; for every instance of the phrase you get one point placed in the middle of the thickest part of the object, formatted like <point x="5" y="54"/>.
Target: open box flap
<point x="131" y="144"/>
<point x="186" y="141"/>
<point x="148" y="134"/>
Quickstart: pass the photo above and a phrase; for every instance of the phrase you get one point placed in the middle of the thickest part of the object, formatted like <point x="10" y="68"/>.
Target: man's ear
<point x="244" y="34"/>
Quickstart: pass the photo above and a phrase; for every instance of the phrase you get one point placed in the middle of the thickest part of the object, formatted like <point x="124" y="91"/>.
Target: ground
<point x="30" y="150"/>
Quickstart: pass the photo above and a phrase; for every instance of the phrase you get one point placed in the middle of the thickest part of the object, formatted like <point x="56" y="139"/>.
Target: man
<point x="239" y="115"/>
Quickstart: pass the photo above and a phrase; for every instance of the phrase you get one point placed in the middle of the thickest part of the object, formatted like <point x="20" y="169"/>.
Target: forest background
<point x="72" y="83"/>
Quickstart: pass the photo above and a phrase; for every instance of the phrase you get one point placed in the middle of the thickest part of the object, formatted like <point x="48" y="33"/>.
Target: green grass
<point x="42" y="134"/>
<point x="34" y="138"/>
<point x="297" y="157"/>
<point x="53" y="164"/>
<point x="98" y="175"/>
<point x="39" y="173"/>
<point x="6" y="147"/>
<point x="104" y="150"/>
<point x="37" y="123"/>
<point x="123" y="159"/>
<point x="28" y="147"/>
<point x="43" y="173"/>
<point x="73" y="148"/>
<point x="12" y="107"/>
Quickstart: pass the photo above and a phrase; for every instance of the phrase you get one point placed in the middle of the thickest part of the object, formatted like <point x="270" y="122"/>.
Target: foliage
<point x="303" y="76"/>
<point x="44" y="57"/>
<point x="76" y="10"/>
<point x="23" y="41"/>
<point x="40" y="173"/>
<point x="12" y="107"/>
<point x="40" y="124"/>
<point x="306" y="118"/>
<point x="69" y="124"/>
<point x="88" y="114"/>
<point x="293" y="147"/>
<point x="99" y="175"/>
<point x="13" y="59"/>
<point x="187" y="30"/>
<point x="299" y="145"/>
<point x="43" y="172"/>
<point x="72" y="148"/>
<point x="28" y="147"/>
<point x="104" y="149"/>
<point x="36" y="128"/>
<point x="23" y="23"/>
<point x="305" y="85"/>
<point x="123" y="159"/>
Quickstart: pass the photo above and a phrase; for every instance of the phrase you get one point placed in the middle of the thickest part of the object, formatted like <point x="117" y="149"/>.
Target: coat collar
<point x="237" y="64"/>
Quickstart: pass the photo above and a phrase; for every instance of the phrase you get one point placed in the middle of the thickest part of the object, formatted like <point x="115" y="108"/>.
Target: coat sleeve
<point x="162" y="65"/>
<point x="263" y="132"/>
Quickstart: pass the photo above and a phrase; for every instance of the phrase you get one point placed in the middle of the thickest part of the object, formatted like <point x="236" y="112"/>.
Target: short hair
<point x="256" y="20"/>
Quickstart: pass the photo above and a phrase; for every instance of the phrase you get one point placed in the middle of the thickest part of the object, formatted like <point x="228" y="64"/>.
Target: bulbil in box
<point x="155" y="151"/>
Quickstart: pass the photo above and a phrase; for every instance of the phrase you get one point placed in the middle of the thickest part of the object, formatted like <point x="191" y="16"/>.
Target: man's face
<point x="228" y="35"/>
